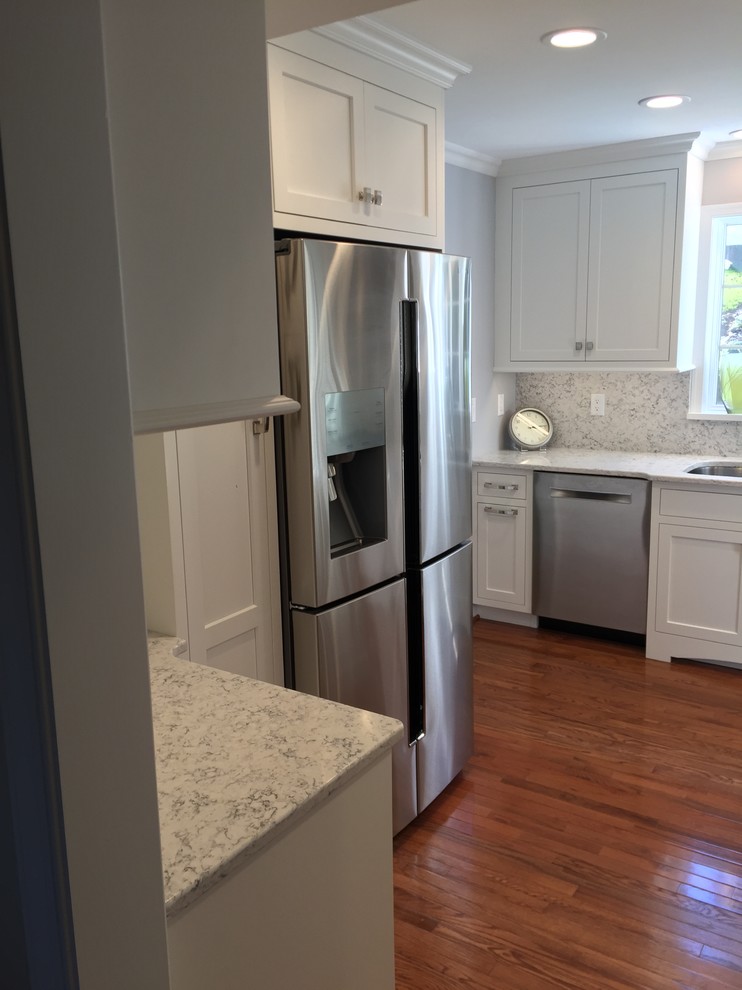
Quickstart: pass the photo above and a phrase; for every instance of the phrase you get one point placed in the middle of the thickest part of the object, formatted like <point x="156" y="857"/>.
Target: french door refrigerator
<point x="375" y="495"/>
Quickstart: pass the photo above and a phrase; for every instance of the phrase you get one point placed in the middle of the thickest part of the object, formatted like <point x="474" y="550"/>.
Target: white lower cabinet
<point x="695" y="587"/>
<point x="314" y="909"/>
<point x="502" y="540"/>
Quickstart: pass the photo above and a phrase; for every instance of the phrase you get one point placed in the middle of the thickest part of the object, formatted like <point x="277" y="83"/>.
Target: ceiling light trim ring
<point x="664" y="101"/>
<point x="574" y="32"/>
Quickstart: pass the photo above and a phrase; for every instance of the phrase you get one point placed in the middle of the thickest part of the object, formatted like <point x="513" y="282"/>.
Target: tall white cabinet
<point x="596" y="259"/>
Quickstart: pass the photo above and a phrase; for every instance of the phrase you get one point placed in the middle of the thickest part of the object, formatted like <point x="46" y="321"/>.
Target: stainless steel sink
<point x="718" y="468"/>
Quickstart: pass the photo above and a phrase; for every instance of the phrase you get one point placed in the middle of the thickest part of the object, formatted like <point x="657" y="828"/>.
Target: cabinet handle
<point x="578" y="345"/>
<point x="378" y="199"/>
<point x="589" y="345"/>
<point x="501" y="488"/>
<point x="500" y="512"/>
<point x="365" y="195"/>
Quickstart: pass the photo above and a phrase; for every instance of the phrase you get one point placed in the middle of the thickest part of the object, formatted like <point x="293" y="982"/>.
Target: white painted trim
<point x="161" y="420"/>
<point x="725" y="149"/>
<point x="371" y="37"/>
<point x="492" y="614"/>
<point x="462" y="157"/>
<point x="646" y="148"/>
<point x="719" y="417"/>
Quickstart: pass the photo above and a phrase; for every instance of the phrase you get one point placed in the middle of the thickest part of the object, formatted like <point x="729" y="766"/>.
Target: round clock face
<point x="530" y="428"/>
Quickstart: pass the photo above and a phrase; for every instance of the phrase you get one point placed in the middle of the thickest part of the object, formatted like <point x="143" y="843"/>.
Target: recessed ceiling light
<point x="573" y="37"/>
<point x="736" y="134"/>
<point x="663" y="102"/>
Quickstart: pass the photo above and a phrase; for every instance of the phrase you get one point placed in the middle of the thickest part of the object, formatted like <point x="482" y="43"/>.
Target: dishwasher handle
<point x="587" y="493"/>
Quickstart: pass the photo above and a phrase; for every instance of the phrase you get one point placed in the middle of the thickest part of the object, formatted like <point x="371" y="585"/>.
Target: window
<point x="716" y="388"/>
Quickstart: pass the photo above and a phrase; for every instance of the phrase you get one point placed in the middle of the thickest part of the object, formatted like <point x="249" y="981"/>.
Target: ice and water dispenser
<point x="356" y="468"/>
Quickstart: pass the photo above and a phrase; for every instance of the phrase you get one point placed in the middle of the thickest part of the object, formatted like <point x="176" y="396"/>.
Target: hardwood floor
<point x="594" y="841"/>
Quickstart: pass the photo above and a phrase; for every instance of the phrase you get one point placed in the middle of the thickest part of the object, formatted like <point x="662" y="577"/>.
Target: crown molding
<point x="605" y="153"/>
<point x="371" y="37"/>
<point x="725" y="149"/>
<point x="456" y="154"/>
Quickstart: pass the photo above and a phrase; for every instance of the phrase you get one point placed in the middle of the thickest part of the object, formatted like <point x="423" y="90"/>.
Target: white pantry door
<point x="229" y="574"/>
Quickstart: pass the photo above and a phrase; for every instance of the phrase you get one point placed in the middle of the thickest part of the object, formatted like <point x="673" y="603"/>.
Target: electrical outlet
<point x="473" y="410"/>
<point x="501" y="405"/>
<point x="597" y="405"/>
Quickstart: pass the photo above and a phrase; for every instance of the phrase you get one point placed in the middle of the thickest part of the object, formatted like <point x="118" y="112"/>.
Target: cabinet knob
<point x="578" y="345"/>
<point x="589" y="345"/>
<point x="378" y="199"/>
<point x="365" y="195"/>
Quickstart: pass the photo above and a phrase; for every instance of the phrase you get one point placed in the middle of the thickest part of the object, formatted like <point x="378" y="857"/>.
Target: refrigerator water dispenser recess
<point x="356" y="468"/>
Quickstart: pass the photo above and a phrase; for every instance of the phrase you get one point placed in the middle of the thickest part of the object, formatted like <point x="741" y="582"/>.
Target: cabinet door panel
<point x="229" y="589"/>
<point x="501" y="553"/>
<point x="317" y="137"/>
<point x="400" y="144"/>
<point x="186" y="93"/>
<point x="699" y="583"/>
<point x="549" y="271"/>
<point x="632" y="236"/>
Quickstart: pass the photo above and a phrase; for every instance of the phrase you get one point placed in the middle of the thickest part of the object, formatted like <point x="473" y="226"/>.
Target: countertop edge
<point x="255" y="783"/>
<point x="277" y="829"/>
<point x="670" y="468"/>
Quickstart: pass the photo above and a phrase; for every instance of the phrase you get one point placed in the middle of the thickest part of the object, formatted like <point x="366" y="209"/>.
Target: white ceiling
<point x="524" y="98"/>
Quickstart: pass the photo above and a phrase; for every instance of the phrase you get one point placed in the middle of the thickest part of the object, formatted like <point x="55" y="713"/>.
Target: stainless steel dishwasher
<point x="591" y="549"/>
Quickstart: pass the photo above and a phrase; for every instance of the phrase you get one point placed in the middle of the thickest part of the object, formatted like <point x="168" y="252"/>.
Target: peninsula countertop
<point x="239" y="762"/>
<point x="654" y="467"/>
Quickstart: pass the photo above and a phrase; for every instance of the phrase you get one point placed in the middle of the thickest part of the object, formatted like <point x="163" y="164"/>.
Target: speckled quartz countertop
<point x="239" y="762"/>
<point x="655" y="467"/>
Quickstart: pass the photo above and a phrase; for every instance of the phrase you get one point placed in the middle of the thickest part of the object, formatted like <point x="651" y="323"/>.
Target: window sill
<point x="725" y="417"/>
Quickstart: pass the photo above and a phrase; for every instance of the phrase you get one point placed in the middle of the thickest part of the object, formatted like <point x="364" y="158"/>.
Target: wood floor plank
<point x="594" y="841"/>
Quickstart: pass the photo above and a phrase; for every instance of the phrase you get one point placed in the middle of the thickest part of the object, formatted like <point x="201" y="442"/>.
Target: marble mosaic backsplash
<point x="643" y="412"/>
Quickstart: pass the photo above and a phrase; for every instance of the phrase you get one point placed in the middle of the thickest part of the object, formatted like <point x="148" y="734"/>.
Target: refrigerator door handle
<point x="409" y="320"/>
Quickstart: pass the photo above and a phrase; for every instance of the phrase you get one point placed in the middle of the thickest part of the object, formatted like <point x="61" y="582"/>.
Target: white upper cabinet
<point x="188" y="119"/>
<point x="595" y="263"/>
<point x="317" y="137"/>
<point x="357" y="145"/>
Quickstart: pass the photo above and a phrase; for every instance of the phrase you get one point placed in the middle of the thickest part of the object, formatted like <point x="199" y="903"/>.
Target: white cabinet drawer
<point x="490" y="484"/>
<point x="701" y="505"/>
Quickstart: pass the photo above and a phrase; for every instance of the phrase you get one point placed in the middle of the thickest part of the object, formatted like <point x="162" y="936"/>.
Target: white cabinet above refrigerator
<point x="187" y="110"/>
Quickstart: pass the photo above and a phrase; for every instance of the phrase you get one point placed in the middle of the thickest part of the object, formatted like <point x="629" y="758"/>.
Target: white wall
<point x="286" y="16"/>
<point x="68" y="296"/>
<point x="722" y="181"/>
<point x="470" y="230"/>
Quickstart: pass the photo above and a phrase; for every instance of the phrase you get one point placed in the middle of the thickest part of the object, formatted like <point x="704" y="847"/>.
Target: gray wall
<point x="470" y="230"/>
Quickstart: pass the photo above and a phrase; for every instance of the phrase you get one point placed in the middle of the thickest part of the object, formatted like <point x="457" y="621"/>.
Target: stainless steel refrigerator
<point x="375" y="495"/>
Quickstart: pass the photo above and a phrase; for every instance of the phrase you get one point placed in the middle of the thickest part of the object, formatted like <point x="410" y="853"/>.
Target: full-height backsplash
<point x="643" y="412"/>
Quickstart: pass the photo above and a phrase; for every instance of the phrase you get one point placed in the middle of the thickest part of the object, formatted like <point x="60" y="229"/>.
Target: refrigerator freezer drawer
<point x="440" y="631"/>
<point x="356" y="653"/>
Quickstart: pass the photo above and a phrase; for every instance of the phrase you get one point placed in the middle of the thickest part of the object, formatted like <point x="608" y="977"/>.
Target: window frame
<point x="706" y="359"/>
